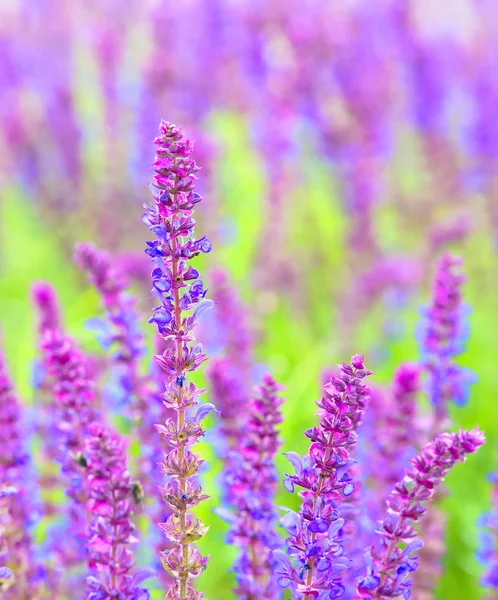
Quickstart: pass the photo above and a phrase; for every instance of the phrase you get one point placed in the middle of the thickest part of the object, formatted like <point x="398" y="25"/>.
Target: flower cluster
<point x="399" y="426"/>
<point x="75" y="410"/>
<point x="111" y="496"/>
<point x="488" y="552"/>
<point x="15" y="515"/>
<point x="315" y="541"/>
<point x="122" y="334"/>
<point x="390" y="564"/>
<point x="443" y="337"/>
<point x="253" y="486"/>
<point x="47" y="305"/>
<point x="180" y="290"/>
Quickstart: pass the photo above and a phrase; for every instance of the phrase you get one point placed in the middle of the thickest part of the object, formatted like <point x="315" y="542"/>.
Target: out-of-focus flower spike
<point x="253" y="482"/>
<point x="16" y="506"/>
<point x="111" y="499"/>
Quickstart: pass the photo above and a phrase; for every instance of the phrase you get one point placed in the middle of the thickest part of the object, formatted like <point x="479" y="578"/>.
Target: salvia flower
<point x="390" y="563"/>
<point x="17" y="508"/>
<point x="75" y="411"/>
<point x="488" y="552"/>
<point x="181" y="294"/>
<point x="315" y="540"/>
<point x="47" y="304"/>
<point x="253" y="484"/>
<point x="121" y="333"/>
<point x="111" y="500"/>
<point x="443" y="337"/>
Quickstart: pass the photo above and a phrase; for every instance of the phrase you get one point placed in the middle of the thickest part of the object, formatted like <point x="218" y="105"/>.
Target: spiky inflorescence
<point x="47" y="305"/>
<point x="15" y="520"/>
<point x="315" y="541"/>
<point x="121" y="333"/>
<point x="488" y="552"/>
<point x="74" y="412"/>
<point x="111" y="496"/>
<point x="181" y="293"/>
<point x="390" y="563"/>
<point x="398" y="436"/>
<point x="443" y="337"/>
<point x="253" y="483"/>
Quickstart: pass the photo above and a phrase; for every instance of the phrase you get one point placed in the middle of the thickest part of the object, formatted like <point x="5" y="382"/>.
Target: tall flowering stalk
<point x="443" y="337"/>
<point x="180" y="290"/>
<point x="488" y="552"/>
<point x="253" y="484"/>
<point x="390" y="563"/>
<point x="16" y="518"/>
<point x="315" y="540"/>
<point x="122" y="332"/>
<point x="111" y="497"/>
<point x="74" y="412"/>
<point x="399" y="434"/>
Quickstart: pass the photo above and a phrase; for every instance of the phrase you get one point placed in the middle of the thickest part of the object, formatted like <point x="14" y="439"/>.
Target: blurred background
<point x="344" y="147"/>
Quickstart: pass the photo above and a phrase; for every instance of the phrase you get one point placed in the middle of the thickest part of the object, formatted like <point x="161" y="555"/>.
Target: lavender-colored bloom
<point x="122" y="334"/>
<point x="252" y="488"/>
<point x="315" y="540"/>
<point x="47" y="304"/>
<point x="488" y="551"/>
<point x="74" y="412"/>
<point x="181" y="293"/>
<point x="390" y="563"/>
<point x="15" y="518"/>
<point x="111" y="497"/>
<point x="443" y="337"/>
<point x="398" y="434"/>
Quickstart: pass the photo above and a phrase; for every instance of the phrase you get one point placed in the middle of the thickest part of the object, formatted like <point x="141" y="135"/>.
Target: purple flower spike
<point x="180" y="291"/>
<point x="389" y="565"/>
<point x="74" y="410"/>
<point x="253" y="484"/>
<point x="315" y="542"/>
<point x="16" y="547"/>
<point x="46" y="301"/>
<point x="111" y="500"/>
<point x="123" y="335"/>
<point x="443" y="337"/>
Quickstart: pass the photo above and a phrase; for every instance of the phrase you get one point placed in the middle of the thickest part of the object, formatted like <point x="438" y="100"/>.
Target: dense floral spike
<point x="47" y="304"/>
<point x="181" y="293"/>
<point x="488" y="552"/>
<point x="390" y="563"/>
<point x="253" y="483"/>
<point x="444" y="333"/>
<point x="315" y="540"/>
<point x="74" y="412"/>
<point x="15" y="518"/>
<point x="398" y="436"/>
<point x="122" y="333"/>
<point x="111" y="497"/>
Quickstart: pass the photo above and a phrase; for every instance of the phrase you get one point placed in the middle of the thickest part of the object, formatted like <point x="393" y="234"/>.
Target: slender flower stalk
<point x="75" y="396"/>
<point x="253" y="484"/>
<point x="121" y="333"/>
<point x="443" y="337"/>
<point x="390" y="563"/>
<point x="111" y="497"/>
<point x="488" y="552"/>
<point x="16" y="518"/>
<point x="47" y="305"/>
<point x="181" y="294"/>
<point x="398" y="435"/>
<point x="315" y="540"/>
